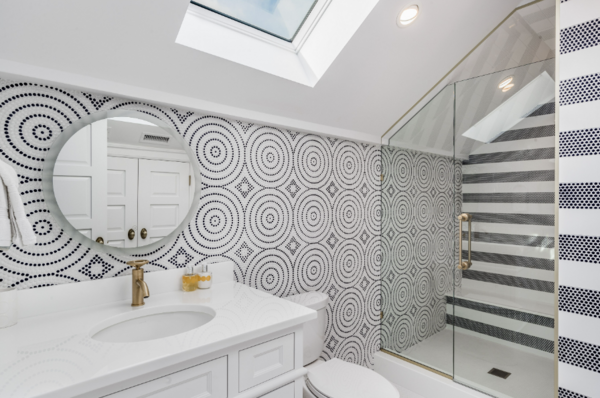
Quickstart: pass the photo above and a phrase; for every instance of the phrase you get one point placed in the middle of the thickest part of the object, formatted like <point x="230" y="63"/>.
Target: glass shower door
<point x="483" y="150"/>
<point x="419" y="236"/>
<point x="503" y="314"/>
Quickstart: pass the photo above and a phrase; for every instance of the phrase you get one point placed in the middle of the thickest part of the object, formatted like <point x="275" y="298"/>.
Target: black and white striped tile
<point x="518" y="329"/>
<point x="579" y="150"/>
<point x="508" y="187"/>
<point x="564" y="393"/>
<point x="501" y="333"/>
<point x="505" y="312"/>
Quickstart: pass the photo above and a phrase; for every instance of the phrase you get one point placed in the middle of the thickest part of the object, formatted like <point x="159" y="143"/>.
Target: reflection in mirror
<point x="123" y="182"/>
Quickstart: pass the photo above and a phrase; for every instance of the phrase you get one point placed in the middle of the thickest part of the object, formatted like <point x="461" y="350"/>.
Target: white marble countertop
<point x="54" y="354"/>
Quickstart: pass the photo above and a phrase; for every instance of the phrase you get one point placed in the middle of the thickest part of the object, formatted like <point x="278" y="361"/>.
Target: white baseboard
<point x="420" y="381"/>
<point x="404" y="393"/>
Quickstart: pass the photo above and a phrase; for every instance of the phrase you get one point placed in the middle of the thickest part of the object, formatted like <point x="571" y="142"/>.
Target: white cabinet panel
<point x="80" y="180"/>
<point x="116" y="243"/>
<point x="78" y="150"/>
<point x="115" y="216"/>
<point x="164" y="184"/>
<point x="208" y="380"/>
<point x="122" y="196"/>
<point x="163" y="198"/>
<point x="117" y="181"/>
<point x="164" y="216"/>
<point x="286" y="391"/>
<point x="74" y="195"/>
<point x="265" y="361"/>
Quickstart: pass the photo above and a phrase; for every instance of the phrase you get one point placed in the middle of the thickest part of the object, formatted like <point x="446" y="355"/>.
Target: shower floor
<point x="532" y="375"/>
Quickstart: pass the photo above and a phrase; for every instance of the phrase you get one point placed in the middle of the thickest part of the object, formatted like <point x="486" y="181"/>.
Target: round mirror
<point x="121" y="183"/>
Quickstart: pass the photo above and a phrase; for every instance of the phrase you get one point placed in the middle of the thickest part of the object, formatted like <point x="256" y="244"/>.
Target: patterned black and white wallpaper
<point x="295" y="212"/>
<point x="421" y="193"/>
<point x="579" y="214"/>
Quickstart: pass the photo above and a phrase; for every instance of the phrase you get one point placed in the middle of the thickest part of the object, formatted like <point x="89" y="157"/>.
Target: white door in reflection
<point x="123" y="182"/>
<point x="80" y="180"/>
<point x="122" y="198"/>
<point x="163" y="197"/>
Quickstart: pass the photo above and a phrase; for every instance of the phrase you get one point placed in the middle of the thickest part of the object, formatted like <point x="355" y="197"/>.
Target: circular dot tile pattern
<point x="579" y="142"/>
<point x="579" y="195"/>
<point x="563" y="393"/>
<point x="579" y="301"/>
<point x="585" y="249"/>
<point x="417" y="229"/>
<point x="580" y="36"/>
<point x="580" y="89"/>
<point x="578" y="353"/>
<point x="287" y="208"/>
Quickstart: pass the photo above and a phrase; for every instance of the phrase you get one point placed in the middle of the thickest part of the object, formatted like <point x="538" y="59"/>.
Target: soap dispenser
<point x="205" y="277"/>
<point x="189" y="281"/>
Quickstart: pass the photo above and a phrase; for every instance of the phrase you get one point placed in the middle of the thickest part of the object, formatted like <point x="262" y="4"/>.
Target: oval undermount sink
<point x="152" y="323"/>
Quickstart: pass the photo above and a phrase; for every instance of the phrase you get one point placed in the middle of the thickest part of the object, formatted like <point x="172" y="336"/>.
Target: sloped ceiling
<point x="541" y="17"/>
<point x="128" y="48"/>
<point x="516" y="42"/>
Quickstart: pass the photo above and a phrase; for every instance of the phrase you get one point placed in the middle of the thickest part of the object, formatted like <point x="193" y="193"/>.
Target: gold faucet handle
<point x="465" y="217"/>
<point x="137" y="263"/>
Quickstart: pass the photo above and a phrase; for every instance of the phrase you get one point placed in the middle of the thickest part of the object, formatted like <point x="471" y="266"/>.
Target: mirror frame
<point x="50" y="198"/>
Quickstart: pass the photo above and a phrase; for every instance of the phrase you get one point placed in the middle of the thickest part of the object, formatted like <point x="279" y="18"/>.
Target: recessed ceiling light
<point x="505" y="82"/>
<point x="408" y="15"/>
<point x="507" y="87"/>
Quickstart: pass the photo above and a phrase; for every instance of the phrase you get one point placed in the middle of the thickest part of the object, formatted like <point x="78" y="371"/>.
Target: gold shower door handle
<point x="464" y="265"/>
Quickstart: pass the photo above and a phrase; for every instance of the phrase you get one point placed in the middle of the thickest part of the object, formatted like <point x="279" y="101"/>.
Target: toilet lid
<point x="339" y="379"/>
<point x="312" y="300"/>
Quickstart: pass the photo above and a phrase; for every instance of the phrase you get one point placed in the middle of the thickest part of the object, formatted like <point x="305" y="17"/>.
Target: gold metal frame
<point x="464" y="265"/>
<point x="460" y="62"/>
<point x="556" y="185"/>
<point x="447" y="376"/>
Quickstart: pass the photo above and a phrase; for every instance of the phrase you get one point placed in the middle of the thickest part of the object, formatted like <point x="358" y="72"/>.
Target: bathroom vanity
<point x="125" y="185"/>
<point x="85" y="339"/>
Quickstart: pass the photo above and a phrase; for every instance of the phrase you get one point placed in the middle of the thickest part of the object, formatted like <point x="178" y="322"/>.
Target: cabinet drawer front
<point x="286" y="391"/>
<point x="208" y="380"/>
<point x="265" y="361"/>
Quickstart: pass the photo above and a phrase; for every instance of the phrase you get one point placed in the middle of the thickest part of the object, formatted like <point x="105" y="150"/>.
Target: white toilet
<point x="334" y="378"/>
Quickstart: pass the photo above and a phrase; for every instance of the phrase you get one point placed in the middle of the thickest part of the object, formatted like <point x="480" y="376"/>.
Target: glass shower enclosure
<point x="468" y="234"/>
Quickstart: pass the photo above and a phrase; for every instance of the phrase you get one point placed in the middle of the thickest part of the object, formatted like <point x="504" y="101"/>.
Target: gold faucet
<point x="139" y="288"/>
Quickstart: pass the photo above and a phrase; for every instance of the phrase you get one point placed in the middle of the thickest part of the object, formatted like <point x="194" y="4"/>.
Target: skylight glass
<point x="280" y="18"/>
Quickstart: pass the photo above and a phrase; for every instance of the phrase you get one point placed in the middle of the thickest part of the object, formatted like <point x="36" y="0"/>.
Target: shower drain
<point x="499" y="373"/>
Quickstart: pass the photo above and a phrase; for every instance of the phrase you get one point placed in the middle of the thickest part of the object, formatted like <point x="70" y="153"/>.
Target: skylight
<point x="279" y="18"/>
<point x="309" y="40"/>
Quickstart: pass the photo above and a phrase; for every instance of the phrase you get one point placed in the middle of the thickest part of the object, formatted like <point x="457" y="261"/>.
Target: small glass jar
<point x="204" y="277"/>
<point x="189" y="281"/>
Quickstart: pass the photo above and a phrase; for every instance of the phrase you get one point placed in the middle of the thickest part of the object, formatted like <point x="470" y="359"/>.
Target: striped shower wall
<point x="508" y="187"/>
<point x="579" y="198"/>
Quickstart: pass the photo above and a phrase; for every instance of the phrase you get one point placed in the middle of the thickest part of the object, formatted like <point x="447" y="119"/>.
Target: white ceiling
<point x="541" y="17"/>
<point x="128" y="48"/>
<point x="514" y="43"/>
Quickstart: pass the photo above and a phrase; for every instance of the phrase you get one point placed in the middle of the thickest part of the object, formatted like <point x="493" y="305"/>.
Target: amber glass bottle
<point x="190" y="280"/>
